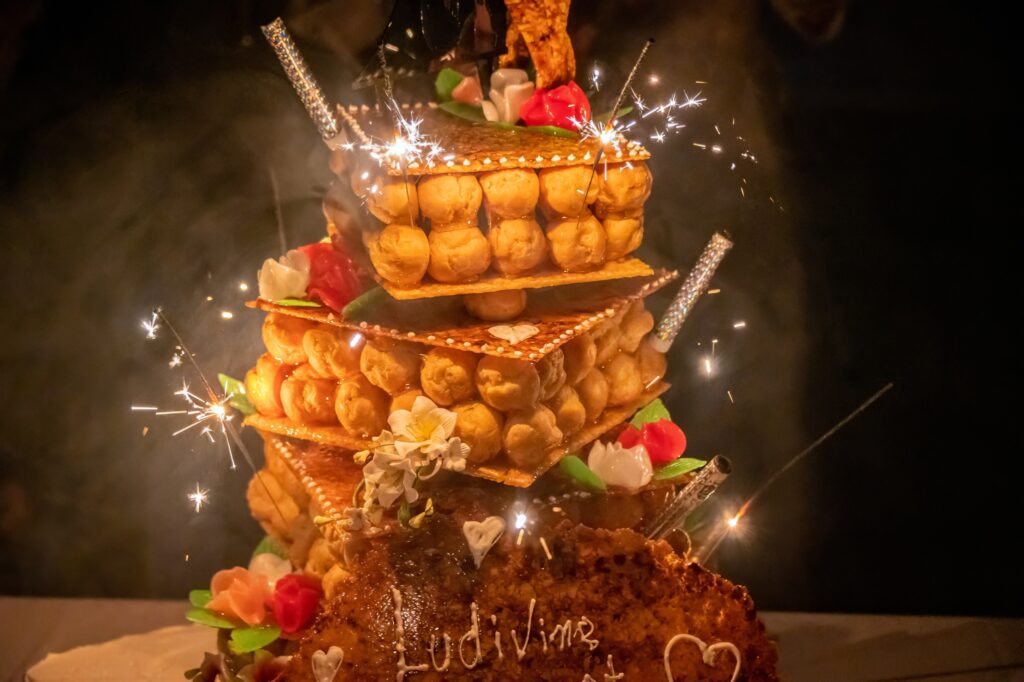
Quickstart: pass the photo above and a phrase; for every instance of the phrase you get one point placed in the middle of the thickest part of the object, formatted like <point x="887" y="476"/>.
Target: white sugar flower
<point x="270" y="567"/>
<point x="425" y="429"/>
<point x="287" y="277"/>
<point x="616" y="465"/>
<point x="510" y="88"/>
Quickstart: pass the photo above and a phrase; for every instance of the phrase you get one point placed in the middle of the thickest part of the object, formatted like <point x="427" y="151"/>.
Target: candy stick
<point x="695" y="284"/>
<point x="703" y="485"/>
<point x="304" y="83"/>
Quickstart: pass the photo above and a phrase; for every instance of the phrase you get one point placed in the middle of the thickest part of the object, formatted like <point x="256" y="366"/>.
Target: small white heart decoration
<point x="515" y="334"/>
<point x="708" y="653"/>
<point x="326" y="664"/>
<point x="482" y="535"/>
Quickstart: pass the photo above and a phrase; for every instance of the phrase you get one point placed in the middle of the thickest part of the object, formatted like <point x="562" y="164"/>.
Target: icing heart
<point x="708" y="653"/>
<point x="515" y="334"/>
<point x="326" y="664"/>
<point x="482" y="535"/>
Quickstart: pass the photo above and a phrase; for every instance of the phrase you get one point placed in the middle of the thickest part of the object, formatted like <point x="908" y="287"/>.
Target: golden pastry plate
<point x="324" y="435"/>
<point x="470" y="147"/>
<point x="558" y="314"/>
<point x="509" y="474"/>
<point x="492" y="281"/>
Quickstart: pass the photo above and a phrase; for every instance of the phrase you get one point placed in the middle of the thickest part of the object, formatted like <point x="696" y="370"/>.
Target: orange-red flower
<point x="565" y="106"/>
<point x="239" y="594"/>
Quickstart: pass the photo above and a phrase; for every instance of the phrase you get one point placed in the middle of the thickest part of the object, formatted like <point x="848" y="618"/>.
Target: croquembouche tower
<point x="469" y="473"/>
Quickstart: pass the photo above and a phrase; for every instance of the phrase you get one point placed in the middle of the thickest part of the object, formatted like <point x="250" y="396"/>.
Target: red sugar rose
<point x="332" y="276"/>
<point x="565" y="106"/>
<point x="663" y="440"/>
<point x="295" y="600"/>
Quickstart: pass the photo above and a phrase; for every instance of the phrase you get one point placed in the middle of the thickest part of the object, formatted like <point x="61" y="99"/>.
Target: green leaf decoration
<point x="654" y="411"/>
<point x="209" y="618"/>
<point x="555" y="131"/>
<point x="269" y="545"/>
<point x="245" y="640"/>
<point x="200" y="598"/>
<point x="446" y="81"/>
<point x="297" y="303"/>
<point x="607" y="116"/>
<point x="683" y="465"/>
<point x="576" y="469"/>
<point x="363" y="302"/>
<point x="236" y="390"/>
<point x="463" y="110"/>
<point x="404" y="514"/>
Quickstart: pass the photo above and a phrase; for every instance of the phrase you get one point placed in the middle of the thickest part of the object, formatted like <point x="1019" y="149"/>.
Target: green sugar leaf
<point x="463" y="110"/>
<point x="576" y="469"/>
<point x="654" y="411"/>
<point x="245" y="640"/>
<point x="554" y="131"/>
<point x="269" y="545"/>
<point x="363" y="302"/>
<point x="297" y="303"/>
<point x="446" y="81"/>
<point x="208" y="617"/>
<point x="200" y="598"/>
<point x="236" y="390"/>
<point x="683" y="465"/>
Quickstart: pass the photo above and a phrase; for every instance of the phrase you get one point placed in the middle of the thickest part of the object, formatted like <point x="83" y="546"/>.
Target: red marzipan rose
<point x="664" y="441"/>
<point x="295" y="600"/>
<point x="565" y="106"/>
<point x="332" y="276"/>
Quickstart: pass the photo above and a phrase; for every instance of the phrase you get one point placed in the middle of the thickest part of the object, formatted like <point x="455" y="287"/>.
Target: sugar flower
<point x="620" y="466"/>
<point x="239" y="594"/>
<point x="286" y="277"/>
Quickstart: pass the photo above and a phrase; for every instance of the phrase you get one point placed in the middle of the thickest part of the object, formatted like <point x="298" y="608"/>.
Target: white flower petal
<point x="401" y="422"/>
<point x="502" y="78"/>
<point x="515" y="97"/>
<point x="287" y="277"/>
<point x="270" y="567"/>
<point x="628" y="468"/>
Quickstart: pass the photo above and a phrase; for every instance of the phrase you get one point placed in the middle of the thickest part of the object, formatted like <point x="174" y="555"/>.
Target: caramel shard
<point x="541" y="25"/>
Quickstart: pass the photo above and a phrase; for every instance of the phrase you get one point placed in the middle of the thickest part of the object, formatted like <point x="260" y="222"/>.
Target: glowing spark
<point x="243" y="286"/>
<point x="519" y="538"/>
<point x="654" y="79"/>
<point x="198" y="498"/>
<point x="209" y="298"/>
<point x="520" y="520"/>
<point x="714" y="291"/>
<point x="733" y="521"/>
<point x="739" y="325"/>
<point x="175" y="360"/>
<point x="595" y="78"/>
<point x="226" y="314"/>
<point x="547" y="551"/>
<point x="729" y="393"/>
<point x="151" y="326"/>
<point x="144" y="408"/>
<point x="707" y="366"/>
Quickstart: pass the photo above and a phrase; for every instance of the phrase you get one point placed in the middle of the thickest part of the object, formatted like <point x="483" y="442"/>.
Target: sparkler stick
<point x="304" y="82"/>
<point x="610" y="127"/>
<point x="712" y="543"/>
<point x="227" y="429"/>
<point x="703" y="485"/>
<point x="695" y="284"/>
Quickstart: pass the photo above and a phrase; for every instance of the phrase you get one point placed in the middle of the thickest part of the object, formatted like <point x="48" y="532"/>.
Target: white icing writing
<point x="403" y="668"/>
<point x="521" y="651"/>
<point x="447" y="653"/>
<point x="472" y="633"/>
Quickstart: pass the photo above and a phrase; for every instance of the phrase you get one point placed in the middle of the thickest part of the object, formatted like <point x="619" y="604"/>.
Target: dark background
<point x="137" y="149"/>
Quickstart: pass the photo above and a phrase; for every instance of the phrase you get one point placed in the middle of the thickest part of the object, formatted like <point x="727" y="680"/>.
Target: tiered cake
<point x="466" y="457"/>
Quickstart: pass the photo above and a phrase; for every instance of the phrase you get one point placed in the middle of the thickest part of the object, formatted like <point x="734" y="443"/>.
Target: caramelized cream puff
<point x="562" y="191"/>
<point x="331" y="351"/>
<point x="391" y="365"/>
<point x="309" y="402"/>
<point x="263" y="385"/>
<point x="570" y="415"/>
<point x="361" y="407"/>
<point x="480" y="427"/>
<point x="511" y="193"/>
<point x="529" y="435"/>
<point x="400" y="254"/>
<point x="593" y="393"/>
<point x="518" y="245"/>
<point x="579" y="356"/>
<point x="282" y="335"/>
<point x="577" y="244"/>
<point x="623" y="187"/>
<point x="447" y="376"/>
<point x="450" y="198"/>
<point x="458" y="255"/>
<point x="507" y="384"/>
<point x="623" y="376"/>
<point x="496" y="306"/>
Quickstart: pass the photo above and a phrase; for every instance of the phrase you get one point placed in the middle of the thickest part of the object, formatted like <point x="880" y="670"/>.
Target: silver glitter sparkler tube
<point x="304" y="83"/>
<point x="693" y="287"/>
<point x="703" y="486"/>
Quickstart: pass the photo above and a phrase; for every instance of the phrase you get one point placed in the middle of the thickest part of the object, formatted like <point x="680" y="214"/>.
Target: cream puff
<point x="331" y="351"/>
<point x="562" y="191"/>
<point x="496" y="306"/>
<point x="404" y="400"/>
<point x="393" y="200"/>
<point x="518" y="245"/>
<point x="511" y="193"/>
<point x="450" y="198"/>
<point x="551" y="369"/>
<point x="448" y="376"/>
<point x="309" y="402"/>
<point x="579" y="356"/>
<point x="480" y="427"/>
<point x="507" y="384"/>
<point x="361" y="407"/>
<point x="570" y="415"/>
<point x="263" y="385"/>
<point x="635" y="325"/>
<point x="623" y="187"/>
<point x="623" y="376"/>
<point x="577" y="244"/>
<point x="593" y="393"/>
<point x="653" y="365"/>
<point x="606" y="339"/>
<point x="624" y="235"/>
<point x="282" y="335"/>
<point x="400" y="254"/>
<point x="529" y="435"/>
<point x="391" y="365"/>
<point x="458" y="255"/>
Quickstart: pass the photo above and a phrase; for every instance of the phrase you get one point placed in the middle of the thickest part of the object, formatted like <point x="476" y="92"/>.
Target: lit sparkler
<point x="199" y="497"/>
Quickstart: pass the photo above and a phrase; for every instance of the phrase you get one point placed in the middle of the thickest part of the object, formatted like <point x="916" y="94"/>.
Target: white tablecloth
<point x="812" y="647"/>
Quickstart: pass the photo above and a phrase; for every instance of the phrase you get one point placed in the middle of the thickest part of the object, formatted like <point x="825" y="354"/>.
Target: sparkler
<point x="703" y="485"/>
<point x="199" y="497"/>
<point x="732" y="522"/>
<point x="304" y="82"/>
<point x="693" y="287"/>
<point x="211" y="412"/>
